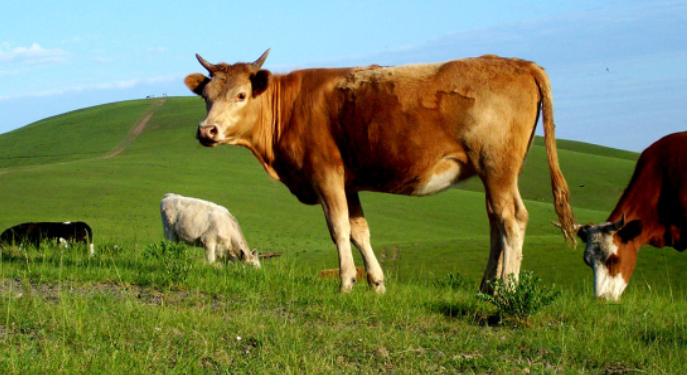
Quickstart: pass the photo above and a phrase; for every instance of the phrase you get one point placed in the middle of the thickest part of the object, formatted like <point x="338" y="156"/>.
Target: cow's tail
<point x="561" y="193"/>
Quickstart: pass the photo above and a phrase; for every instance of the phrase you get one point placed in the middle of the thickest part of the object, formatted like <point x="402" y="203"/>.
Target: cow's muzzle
<point x="208" y="135"/>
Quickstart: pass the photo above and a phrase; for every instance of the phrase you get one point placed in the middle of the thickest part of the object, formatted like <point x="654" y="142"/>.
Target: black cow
<point x="34" y="233"/>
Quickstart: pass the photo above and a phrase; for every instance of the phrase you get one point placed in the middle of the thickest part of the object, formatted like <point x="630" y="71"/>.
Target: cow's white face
<point x="600" y="249"/>
<point x="610" y="257"/>
<point x="251" y="258"/>
<point x="230" y="95"/>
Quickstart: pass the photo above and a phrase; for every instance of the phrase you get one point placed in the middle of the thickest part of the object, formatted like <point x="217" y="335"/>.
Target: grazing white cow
<point x="194" y="221"/>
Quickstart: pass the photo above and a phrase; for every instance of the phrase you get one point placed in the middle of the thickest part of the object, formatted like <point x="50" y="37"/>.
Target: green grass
<point x="66" y="312"/>
<point x="108" y="313"/>
<point x="77" y="135"/>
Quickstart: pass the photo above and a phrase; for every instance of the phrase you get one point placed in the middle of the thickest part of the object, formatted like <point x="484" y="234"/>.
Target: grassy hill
<point x="62" y="311"/>
<point x="57" y="170"/>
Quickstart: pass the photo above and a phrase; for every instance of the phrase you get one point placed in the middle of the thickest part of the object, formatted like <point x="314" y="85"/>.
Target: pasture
<point x="65" y="312"/>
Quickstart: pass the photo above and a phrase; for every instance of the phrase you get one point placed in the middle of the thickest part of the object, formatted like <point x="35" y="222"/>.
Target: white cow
<point x="193" y="220"/>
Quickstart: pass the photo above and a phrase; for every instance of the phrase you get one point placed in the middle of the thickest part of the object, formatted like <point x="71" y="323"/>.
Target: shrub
<point x="519" y="300"/>
<point x="176" y="260"/>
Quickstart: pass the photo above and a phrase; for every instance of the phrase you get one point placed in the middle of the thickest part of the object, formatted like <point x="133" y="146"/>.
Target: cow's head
<point x="229" y="94"/>
<point x="611" y="255"/>
<point x="250" y="257"/>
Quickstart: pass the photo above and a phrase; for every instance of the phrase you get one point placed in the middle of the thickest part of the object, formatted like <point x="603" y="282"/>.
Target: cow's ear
<point x="630" y="231"/>
<point x="196" y="83"/>
<point x="583" y="233"/>
<point x="260" y="81"/>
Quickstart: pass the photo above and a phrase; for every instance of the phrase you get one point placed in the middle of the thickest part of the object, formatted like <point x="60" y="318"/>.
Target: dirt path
<point x="134" y="132"/>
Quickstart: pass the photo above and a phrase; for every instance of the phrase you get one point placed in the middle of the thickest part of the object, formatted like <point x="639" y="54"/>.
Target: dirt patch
<point x="51" y="291"/>
<point x="54" y="292"/>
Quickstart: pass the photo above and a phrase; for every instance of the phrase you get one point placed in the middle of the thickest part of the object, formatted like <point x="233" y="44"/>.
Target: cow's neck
<point x="635" y="204"/>
<point x="267" y="130"/>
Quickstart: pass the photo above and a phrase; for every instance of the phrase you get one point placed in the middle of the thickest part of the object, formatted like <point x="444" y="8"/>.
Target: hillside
<point x="58" y="170"/>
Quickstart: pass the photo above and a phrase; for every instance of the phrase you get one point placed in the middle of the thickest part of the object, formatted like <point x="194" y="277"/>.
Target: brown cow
<point x="328" y="134"/>
<point x="652" y="210"/>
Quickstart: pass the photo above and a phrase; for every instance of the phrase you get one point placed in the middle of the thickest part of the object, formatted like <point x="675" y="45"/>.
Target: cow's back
<point x="186" y="216"/>
<point x="395" y="123"/>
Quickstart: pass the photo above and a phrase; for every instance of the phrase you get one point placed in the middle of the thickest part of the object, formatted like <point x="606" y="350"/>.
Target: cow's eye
<point x="241" y="97"/>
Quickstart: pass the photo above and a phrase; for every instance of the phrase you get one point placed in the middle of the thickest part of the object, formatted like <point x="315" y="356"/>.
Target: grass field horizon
<point x="57" y="169"/>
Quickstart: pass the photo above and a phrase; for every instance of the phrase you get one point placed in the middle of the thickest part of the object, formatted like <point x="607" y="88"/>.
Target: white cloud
<point x="156" y="49"/>
<point x="33" y="54"/>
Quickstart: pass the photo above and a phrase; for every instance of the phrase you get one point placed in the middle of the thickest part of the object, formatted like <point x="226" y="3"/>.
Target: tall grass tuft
<point x="175" y="259"/>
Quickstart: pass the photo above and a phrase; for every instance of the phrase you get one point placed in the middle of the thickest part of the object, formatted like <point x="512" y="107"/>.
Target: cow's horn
<point x="261" y="60"/>
<point x="211" y="68"/>
<point x="617" y="225"/>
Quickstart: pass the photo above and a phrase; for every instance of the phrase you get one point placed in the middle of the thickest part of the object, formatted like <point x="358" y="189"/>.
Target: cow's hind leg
<point x="360" y="235"/>
<point x="495" y="262"/>
<point x="508" y="219"/>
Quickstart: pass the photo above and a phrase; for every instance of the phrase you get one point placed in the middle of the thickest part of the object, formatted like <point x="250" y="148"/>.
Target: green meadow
<point x="62" y="311"/>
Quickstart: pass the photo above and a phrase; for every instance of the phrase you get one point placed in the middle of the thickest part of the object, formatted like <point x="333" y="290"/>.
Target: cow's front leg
<point x="210" y="251"/>
<point x="333" y="200"/>
<point x="360" y="235"/>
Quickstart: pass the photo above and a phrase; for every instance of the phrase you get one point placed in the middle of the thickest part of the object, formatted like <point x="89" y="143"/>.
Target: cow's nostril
<point x="213" y="131"/>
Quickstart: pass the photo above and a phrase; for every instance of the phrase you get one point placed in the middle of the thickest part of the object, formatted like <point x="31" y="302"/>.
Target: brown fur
<point x="656" y="197"/>
<point x="329" y="133"/>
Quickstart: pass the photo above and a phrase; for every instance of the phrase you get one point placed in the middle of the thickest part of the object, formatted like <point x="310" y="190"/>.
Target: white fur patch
<point x="606" y="286"/>
<point x="440" y="181"/>
<point x="609" y="247"/>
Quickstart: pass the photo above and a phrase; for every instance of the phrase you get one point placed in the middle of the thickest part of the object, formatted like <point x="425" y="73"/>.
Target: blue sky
<point x="618" y="68"/>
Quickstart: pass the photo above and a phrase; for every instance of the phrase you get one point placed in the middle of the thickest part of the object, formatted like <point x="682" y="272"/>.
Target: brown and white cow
<point x="328" y="134"/>
<point x="652" y="210"/>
